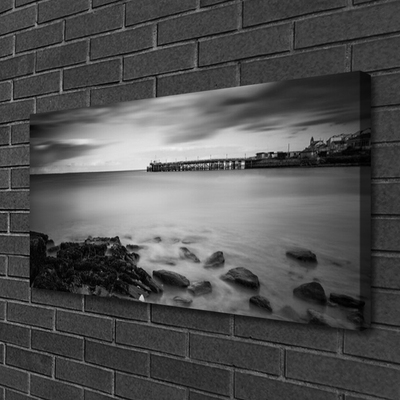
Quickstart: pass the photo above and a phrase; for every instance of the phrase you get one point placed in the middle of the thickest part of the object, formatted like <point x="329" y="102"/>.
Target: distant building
<point x="360" y="140"/>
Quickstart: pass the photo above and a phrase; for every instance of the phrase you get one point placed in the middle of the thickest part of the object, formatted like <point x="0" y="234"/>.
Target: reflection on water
<point x="253" y="216"/>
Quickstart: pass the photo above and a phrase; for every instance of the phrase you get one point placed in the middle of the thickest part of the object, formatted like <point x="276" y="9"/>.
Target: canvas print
<point x="252" y="200"/>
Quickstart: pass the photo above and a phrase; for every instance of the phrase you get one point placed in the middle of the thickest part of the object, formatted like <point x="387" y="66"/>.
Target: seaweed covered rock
<point x="188" y="255"/>
<point x="261" y="302"/>
<point x="311" y="291"/>
<point x="302" y="255"/>
<point x="215" y="260"/>
<point x="171" y="278"/>
<point x="242" y="276"/>
<point x="200" y="287"/>
<point x="346" y="301"/>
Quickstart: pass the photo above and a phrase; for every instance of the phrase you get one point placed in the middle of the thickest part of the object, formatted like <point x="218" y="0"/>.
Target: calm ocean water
<point x="253" y="216"/>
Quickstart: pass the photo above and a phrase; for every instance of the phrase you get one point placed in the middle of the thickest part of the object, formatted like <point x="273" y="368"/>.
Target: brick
<point x="19" y="222"/>
<point x="14" y="200"/>
<point x="131" y="387"/>
<point x="57" y="299"/>
<point x="104" y="20"/>
<point x="201" y="396"/>
<point x="84" y="374"/>
<point x="37" y="85"/>
<point x="20" y="178"/>
<point x="63" y="101"/>
<point x="6" y="5"/>
<point x="15" y="245"/>
<point x="384" y="198"/>
<point x="385" y="90"/>
<point x="3" y="222"/>
<point x="3" y="266"/>
<point x="286" y="333"/>
<point x="121" y="42"/>
<point x="39" y="37"/>
<point x="374" y="343"/>
<point x="119" y="93"/>
<point x="4" y="135"/>
<point x="17" y="20"/>
<point x="385" y="308"/>
<point x="199" y="24"/>
<point x="146" y="10"/>
<point x="5" y="91"/>
<point x="189" y="82"/>
<point x="150" y="337"/>
<point x="16" y="111"/>
<point x="235" y="353"/>
<point x="19" y="3"/>
<point x="51" y="389"/>
<point x="17" y="66"/>
<point x="341" y="373"/>
<point x="31" y="315"/>
<point x="205" y="3"/>
<point x="29" y="360"/>
<point x="12" y="395"/>
<point x="99" y="3"/>
<point x="258" y="42"/>
<point x="384" y="162"/>
<point x="14" y="378"/>
<point x="6" y="46"/>
<point x="93" y="74"/>
<point x="54" y="9"/>
<point x="62" y="56"/>
<point x="2" y="310"/>
<point x="18" y="266"/>
<point x="384" y="125"/>
<point x="258" y="11"/>
<point x="249" y="387"/>
<point x="14" y="334"/>
<point x="96" y="327"/>
<point x="295" y="66"/>
<point x="18" y="155"/>
<point x="55" y="343"/>
<point x="377" y="55"/>
<point x="347" y="25"/>
<point x="116" y="308"/>
<point x="192" y="319"/>
<point x="89" y="395"/>
<point x="386" y="272"/>
<point x="384" y="234"/>
<point x="20" y="133"/>
<point x="198" y="376"/>
<point x="159" y="61"/>
<point x="117" y="358"/>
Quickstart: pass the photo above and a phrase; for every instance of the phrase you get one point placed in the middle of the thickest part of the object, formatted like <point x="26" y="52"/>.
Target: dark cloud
<point x="49" y="152"/>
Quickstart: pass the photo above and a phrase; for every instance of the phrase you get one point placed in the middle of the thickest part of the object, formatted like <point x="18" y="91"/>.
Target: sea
<point x="253" y="216"/>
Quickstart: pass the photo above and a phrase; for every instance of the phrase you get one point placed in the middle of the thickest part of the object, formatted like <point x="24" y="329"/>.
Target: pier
<point x="201" y="165"/>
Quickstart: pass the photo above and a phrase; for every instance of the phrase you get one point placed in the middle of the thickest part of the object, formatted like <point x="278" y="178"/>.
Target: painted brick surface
<point x="17" y="66"/>
<point x="14" y="378"/>
<point x="5" y="91"/>
<point x="29" y="360"/>
<point x="57" y="299"/>
<point x="386" y="272"/>
<point x="244" y="45"/>
<point x="20" y="133"/>
<point x="20" y="178"/>
<point x="16" y="111"/>
<point x="17" y="20"/>
<point x="6" y="46"/>
<point x="16" y="155"/>
<point x="6" y="5"/>
<point x="196" y="25"/>
<point x="31" y="315"/>
<point x="37" y="85"/>
<point x="53" y="9"/>
<point x="49" y="389"/>
<point x="18" y="266"/>
<point x="40" y="37"/>
<point x="384" y="90"/>
<point x="15" y="334"/>
<point x="62" y="101"/>
<point x="12" y="288"/>
<point x="385" y="308"/>
<point x="19" y="222"/>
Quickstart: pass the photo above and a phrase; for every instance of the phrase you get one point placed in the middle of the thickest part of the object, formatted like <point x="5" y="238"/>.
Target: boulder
<point x="302" y="255"/>
<point x="201" y="287"/>
<point x="311" y="291"/>
<point x="171" y="278"/>
<point x="243" y="277"/>
<point x="262" y="302"/>
<point x="356" y="316"/>
<point x="183" y="300"/>
<point x="346" y="301"/>
<point x="319" y="318"/>
<point x="135" y="247"/>
<point x="148" y="280"/>
<point x="103" y="240"/>
<point x="215" y="260"/>
<point x="188" y="255"/>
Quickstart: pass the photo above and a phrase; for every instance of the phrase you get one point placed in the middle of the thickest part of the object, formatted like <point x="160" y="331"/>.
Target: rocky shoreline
<point x="102" y="266"/>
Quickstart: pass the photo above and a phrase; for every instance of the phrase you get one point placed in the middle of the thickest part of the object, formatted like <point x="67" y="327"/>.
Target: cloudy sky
<point x="229" y="122"/>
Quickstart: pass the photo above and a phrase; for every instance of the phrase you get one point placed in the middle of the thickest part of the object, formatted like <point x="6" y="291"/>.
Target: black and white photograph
<point x="252" y="200"/>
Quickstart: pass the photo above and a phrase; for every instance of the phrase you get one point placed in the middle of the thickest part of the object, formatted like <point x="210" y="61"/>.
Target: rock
<point x="311" y="291"/>
<point x="135" y="247"/>
<point x="171" y="278"/>
<point x="243" y="277"/>
<point x="148" y="280"/>
<point x="97" y="241"/>
<point x="188" y="255"/>
<point x="201" y="287"/>
<point x="157" y="239"/>
<point x="262" y="302"/>
<point x="346" y="301"/>
<point x="136" y="292"/>
<point x="183" y="300"/>
<point x="215" y="260"/>
<point x="37" y="254"/>
<point x="322" y="319"/>
<point x="356" y="316"/>
<point x="302" y="255"/>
